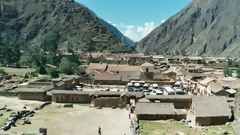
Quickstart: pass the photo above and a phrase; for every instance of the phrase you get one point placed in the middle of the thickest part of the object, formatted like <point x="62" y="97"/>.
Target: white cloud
<point x="136" y="33"/>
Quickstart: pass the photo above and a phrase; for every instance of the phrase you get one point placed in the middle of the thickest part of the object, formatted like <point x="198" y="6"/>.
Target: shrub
<point x="2" y="72"/>
<point x="53" y="72"/>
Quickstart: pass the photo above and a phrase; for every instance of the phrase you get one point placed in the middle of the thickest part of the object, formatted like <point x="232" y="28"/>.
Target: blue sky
<point x="135" y="18"/>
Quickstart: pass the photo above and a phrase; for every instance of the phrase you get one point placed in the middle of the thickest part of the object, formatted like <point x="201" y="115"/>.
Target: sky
<point x="135" y="18"/>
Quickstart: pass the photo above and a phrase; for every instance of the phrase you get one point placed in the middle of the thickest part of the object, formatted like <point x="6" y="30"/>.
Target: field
<point x="80" y="120"/>
<point x="17" y="71"/>
<point x="171" y="128"/>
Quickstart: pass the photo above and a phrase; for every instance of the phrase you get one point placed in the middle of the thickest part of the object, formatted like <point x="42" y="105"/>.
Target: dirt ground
<point x="80" y="120"/>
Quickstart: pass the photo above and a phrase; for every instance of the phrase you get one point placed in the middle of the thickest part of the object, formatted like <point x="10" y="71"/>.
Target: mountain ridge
<point x="202" y="28"/>
<point x="60" y="23"/>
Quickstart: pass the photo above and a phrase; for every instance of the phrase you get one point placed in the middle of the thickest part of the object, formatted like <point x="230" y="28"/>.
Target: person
<point x="99" y="131"/>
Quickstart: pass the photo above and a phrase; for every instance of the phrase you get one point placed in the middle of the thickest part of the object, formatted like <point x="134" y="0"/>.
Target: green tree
<point x="1" y="49"/>
<point x="41" y="70"/>
<point x="53" y="72"/>
<point x="10" y="50"/>
<point x="227" y="71"/>
<point x="238" y="73"/>
<point x="2" y="72"/>
<point x="66" y="66"/>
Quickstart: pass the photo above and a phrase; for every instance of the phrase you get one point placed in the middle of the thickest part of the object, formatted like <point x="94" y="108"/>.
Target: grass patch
<point x="4" y="117"/>
<point x="17" y="71"/>
<point x="167" y="128"/>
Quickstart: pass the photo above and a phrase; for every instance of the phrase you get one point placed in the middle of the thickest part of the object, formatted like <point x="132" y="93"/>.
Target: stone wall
<point x="209" y="121"/>
<point x="33" y="96"/>
<point x="70" y="98"/>
<point x="109" y="102"/>
<point x="161" y="116"/>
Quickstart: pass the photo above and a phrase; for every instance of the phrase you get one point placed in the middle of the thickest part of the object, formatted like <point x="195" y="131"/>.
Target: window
<point x="147" y="70"/>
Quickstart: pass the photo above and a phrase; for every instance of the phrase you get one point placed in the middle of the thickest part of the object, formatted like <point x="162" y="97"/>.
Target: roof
<point x="60" y="83"/>
<point x="215" y="86"/>
<point x="210" y="106"/>
<point x="30" y="90"/>
<point x="70" y="92"/>
<point x="114" y="67"/>
<point x="147" y="64"/>
<point x="107" y="76"/>
<point x="166" y="97"/>
<point x="135" y="94"/>
<point x="206" y="81"/>
<point x="97" y="66"/>
<point x="144" y="100"/>
<point x="158" y="57"/>
<point x="107" y="93"/>
<point x="154" y="108"/>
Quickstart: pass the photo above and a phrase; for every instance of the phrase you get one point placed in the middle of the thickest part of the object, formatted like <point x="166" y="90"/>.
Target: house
<point x="114" y="98"/>
<point x="209" y="110"/>
<point x="121" y="74"/>
<point x="158" y="58"/>
<point x="35" y="93"/>
<point x="96" y="98"/>
<point x="138" y="59"/>
<point x="158" y="111"/>
<point x="226" y="86"/>
<point x="203" y="84"/>
<point x="192" y="60"/>
<point x="171" y="74"/>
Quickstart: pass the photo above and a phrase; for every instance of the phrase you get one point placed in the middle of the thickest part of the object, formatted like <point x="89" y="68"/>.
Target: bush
<point x="2" y="72"/>
<point x="66" y="66"/>
<point x="53" y="72"/>
<point x="227" y="71"/>
<point x="41" y="70"/>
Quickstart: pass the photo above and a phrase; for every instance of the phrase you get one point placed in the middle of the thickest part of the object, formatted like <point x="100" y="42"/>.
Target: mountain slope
<point x="204" y="27"/>
<point x="59" y="23"/>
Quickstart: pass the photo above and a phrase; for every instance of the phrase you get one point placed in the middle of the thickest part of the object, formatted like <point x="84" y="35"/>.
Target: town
<point x="142" y="68"/>
<point x="198" y="91"/>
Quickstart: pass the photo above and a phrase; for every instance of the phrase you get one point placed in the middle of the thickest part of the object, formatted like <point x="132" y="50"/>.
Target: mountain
<point x="204" y="28"/>
<point x="59" y="23"/>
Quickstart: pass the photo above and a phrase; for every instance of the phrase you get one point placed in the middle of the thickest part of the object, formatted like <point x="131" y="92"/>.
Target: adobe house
<point x="158" y="111"/>
<point x="179" y="101"/>
<point x="209" y="110"/>
<point x="147" y="71"/>
<point x="203" y="84"/>
<point x="69" y="83"/>
<point x="70" y="96"/>
<point x="192" y="60"/>
<point x="40" y="94"/>
<point x="113" y="98"/>
<point x="170" y="74"/>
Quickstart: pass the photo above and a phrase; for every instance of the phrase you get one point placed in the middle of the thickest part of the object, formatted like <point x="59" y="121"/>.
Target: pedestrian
<point x="99" y="131"/>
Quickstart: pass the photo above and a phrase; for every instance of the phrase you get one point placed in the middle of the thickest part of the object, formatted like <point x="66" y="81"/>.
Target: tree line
<point x="46" y="58"/>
